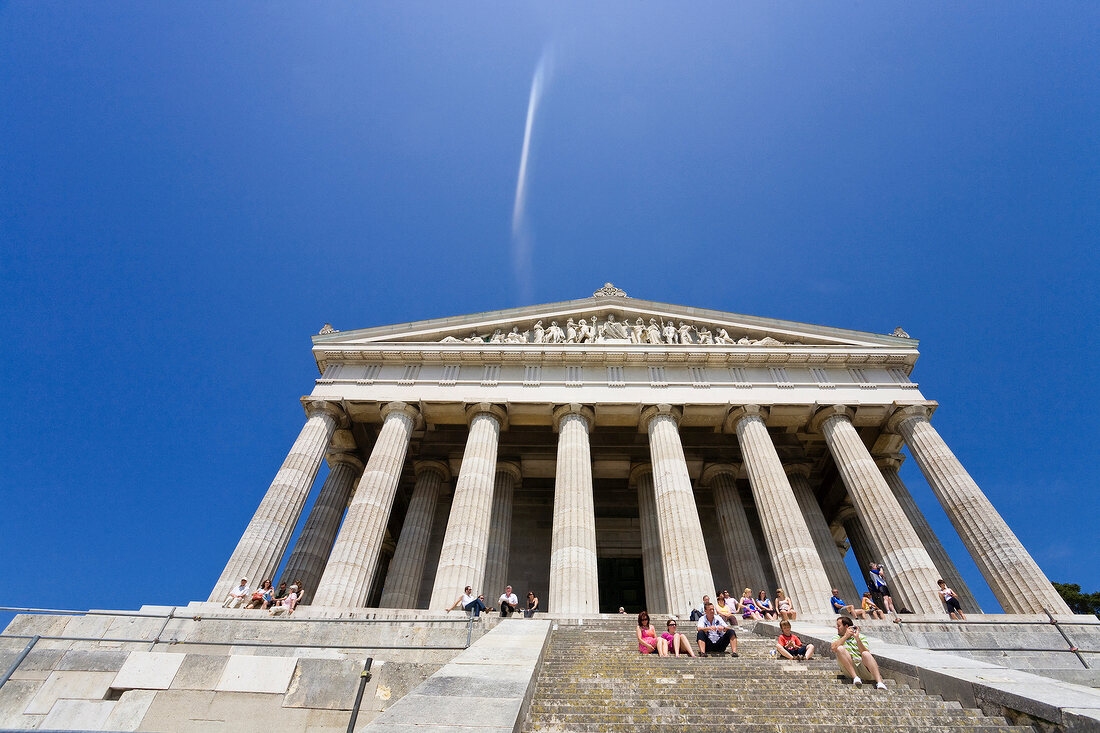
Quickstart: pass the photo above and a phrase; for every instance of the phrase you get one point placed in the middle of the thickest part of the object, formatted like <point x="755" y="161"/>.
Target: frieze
<point x="613" y="331"/>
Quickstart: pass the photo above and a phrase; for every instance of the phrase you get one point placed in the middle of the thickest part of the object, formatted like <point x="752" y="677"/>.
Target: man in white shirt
<point x="508" y="602"/>
<point x="714" y="634"/>
<point x="469" y="602"/>
<point x="237" y="595"/>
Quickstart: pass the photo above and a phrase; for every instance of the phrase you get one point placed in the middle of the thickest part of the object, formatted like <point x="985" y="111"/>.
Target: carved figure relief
<point x="592" y="330"/>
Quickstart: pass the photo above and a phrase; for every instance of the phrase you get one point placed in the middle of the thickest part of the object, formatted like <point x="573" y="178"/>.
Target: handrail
<point x="201" y="617"/>
<point x="285" y="645"/>
<point x="982" y="621"/>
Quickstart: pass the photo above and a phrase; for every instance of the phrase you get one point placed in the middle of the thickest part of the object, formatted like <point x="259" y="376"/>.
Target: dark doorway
<point x="621" y="584"/>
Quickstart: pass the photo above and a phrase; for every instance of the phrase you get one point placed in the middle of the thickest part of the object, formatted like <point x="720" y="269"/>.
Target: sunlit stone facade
<point x="610" y="452"/>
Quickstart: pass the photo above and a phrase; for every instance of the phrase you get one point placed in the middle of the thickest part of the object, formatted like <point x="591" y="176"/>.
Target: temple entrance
<point x="621" y="584"/>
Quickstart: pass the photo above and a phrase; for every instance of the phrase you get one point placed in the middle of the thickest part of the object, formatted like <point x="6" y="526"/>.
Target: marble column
<point x="835" y="569"/>
<point x="500" y="530"/>
<point x="641" y="477"/>
<point x="1012" y="574"/>
<point x="889" y="466"/>
<point x="466" y="542"/>
<point x="741" y="552"/>
<point x="267" y="535"/>
<point x="795" y="559"/>
<point x="574" y="582"/>
<point x="686" y="564"/>
<point x="863" y="550"/>
<point x="354" y="557"/>
<point x="910" y="572"/>
<point x="402" y="587"/>
<point x="311" y="551"/>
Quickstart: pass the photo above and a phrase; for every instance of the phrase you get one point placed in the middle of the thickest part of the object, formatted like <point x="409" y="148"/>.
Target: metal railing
<point x="1071" y="647"/>
<point x="171" y="615"/>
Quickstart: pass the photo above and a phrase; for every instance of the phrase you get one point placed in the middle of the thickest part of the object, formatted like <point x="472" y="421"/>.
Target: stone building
<point x="610" y="451"/>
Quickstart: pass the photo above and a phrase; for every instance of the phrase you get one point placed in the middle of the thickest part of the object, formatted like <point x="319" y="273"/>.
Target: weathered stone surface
<point x="354" y="557"/>
<point x="265" y="539"/>
<point x="257" y="674"/>
<point x="15" y="695"/>
<point x="92" y="660"/>
<point x="574" y="585"/>
<point x="745" y="567"/>
<point x="652" y="558"/>
<point x="72" y="685"/>
<point x="324" y="683"/>
<point x="500" y="532"/>
<point x="78" y="714"/>
<point x="199" y="671"/>
<point x="130" y="710"/>
<point x="482" y="686"/>
<point x="407" y="567"/>
<point x="148" y="671"/>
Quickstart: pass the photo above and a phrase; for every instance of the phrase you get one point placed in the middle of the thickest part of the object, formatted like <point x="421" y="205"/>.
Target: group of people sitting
<point x="508" y="602"/>
<point x="713" y="635"/>
<point x="267" y="598"/>
<point x="748" y="607"/>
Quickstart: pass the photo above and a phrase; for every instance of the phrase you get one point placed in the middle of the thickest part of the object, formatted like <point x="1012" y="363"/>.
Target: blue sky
<point x="188" y="192"/>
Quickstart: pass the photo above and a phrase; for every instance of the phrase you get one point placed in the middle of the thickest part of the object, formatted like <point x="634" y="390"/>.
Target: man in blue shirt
<point x="840" y="607"/>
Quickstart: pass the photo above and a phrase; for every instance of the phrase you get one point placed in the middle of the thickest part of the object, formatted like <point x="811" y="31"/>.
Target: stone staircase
<point x="593" y="679"/>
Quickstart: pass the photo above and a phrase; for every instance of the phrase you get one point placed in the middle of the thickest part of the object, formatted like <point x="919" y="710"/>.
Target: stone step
<point x="788" y="717"/>
<point x="747" y="707"/>
<point x="775" y="727"/>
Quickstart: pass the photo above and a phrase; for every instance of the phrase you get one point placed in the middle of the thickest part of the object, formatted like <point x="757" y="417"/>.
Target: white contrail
<point x="521" y="236"/>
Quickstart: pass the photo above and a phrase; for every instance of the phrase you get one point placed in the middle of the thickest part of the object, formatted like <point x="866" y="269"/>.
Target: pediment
<point x="612" y="320"/>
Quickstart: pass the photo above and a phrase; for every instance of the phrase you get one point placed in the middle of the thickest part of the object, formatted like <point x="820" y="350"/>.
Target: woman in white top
<point x="784" y="607"/>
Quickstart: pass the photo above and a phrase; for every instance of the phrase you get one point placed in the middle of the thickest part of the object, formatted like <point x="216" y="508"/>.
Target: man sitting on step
<point x="508" y="602"/>
<point x="237" y="596"/>
<point x="697" y="612"/>
<point x="839" y="606"/>
<point x="852" y="653"/>
<point x="714" y="634"/>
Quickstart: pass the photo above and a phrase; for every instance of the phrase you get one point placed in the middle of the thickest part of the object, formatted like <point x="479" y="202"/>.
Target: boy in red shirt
<point x="790" y="646"/>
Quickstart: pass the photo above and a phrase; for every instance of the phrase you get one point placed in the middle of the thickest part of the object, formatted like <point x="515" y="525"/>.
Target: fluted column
<point x="354" y="557"/>
<point x="500" y="530"/>
<point x="911" y="573"/>
<point x="574" y="582"/>
<point x="831" y="560"/>
<point x="889" y="466"/>
<point x="795" y="559"/>
<point x="311" y="551"/>
<point x="863" y="550"/>
<point x="1012" y="574"/>
<point x="686" y="564"/>
<point x="265" y="539"/>
<point x="402" y="587"/>
<point x="641" y="477"/>
<point x="741" y="553"/>
<point x="466" y="542"/>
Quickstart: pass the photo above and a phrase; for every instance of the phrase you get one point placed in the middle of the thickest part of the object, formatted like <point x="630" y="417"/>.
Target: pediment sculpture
<point x="611" y="330"/>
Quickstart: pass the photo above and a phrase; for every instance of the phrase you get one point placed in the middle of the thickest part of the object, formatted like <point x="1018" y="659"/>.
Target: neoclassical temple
<point x="611" y="451"/>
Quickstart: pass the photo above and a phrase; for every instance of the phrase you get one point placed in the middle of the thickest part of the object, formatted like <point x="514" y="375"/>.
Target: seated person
<point x="853" y="654"/>
<point x="258" y="595"/>
<point x="279" y="595"/>
<point x="469" y="602"/>
<point x="237" y="596"/>
<point x="697" y="612"/>
<point x="784" y="606"/>
<point x="714" y="634"/>
<point x="870" y="609"/>
<point x="288" y="604"/>
<point x="840" y="607"/>
<point x="790" y="646"/>
<point x="532" y="605"/>
<point x="747" y="606"/>
<point x="726" y="610"/>
<point x="764" y="606"/>
<point x="508" y="602"/>
<point x="648" y="641"/>
<point x="675" y="641"/>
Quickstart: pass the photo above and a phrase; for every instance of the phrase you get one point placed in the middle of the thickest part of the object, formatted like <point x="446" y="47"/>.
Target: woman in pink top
<point x="675" y="641"/>
<point x="648" y="641"/>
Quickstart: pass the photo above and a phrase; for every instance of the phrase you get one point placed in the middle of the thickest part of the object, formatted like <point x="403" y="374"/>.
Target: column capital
<point x="654" y="410"/>
<point x="402" y="407"/>
<point x="488" y="408"/>
<point x="432" y="464"/>
<point x="637" y="471"/>
<point x="349" y="459"/>
<point x="574" y="408"/>
<point x="890" y="460"/>
<point x="828" y="411"/>
<point x="714" y="469"/>
<point x="740" y="412"/>
<point x="511" y="468"/>
<point x="335" y="409"/>
<point x="904" y="412"/>
<point x="844" y="512"/>
<point x="800" y="468"/>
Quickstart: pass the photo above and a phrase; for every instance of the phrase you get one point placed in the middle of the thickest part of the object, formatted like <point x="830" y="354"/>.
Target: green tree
<point x="1077" y="601"/>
